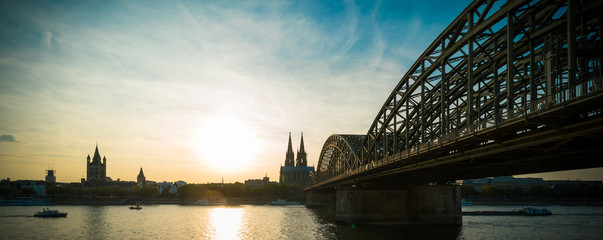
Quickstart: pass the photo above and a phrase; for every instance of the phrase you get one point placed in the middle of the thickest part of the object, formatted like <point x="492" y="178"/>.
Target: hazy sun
<point x="226" y="144"/>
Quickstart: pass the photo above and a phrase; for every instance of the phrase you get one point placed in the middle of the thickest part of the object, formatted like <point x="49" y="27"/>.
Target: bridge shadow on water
<point x="374" y="232"/>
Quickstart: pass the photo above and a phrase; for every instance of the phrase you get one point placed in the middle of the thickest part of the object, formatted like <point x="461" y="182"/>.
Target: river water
<point x="281" y="222"/>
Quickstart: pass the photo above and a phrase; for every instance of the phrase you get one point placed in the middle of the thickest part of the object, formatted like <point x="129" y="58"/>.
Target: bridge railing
<point x="584" y="89"/>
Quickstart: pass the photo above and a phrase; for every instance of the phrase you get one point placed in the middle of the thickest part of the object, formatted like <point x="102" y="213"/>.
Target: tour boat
<point x="530" y="211"/>
<point x="50" y="213"/>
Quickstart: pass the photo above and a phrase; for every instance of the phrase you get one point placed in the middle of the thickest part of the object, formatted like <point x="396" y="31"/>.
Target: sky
<point x="199" y="90"/>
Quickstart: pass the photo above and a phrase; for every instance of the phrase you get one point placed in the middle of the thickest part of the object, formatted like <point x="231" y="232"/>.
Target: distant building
<point x="50" y="178"/>
<point x="37" y="186"/>
<point x="180" y="183"/>
<point x="295" y="173"/>
<point x="254" y="183"/>
<point x="141" y="180"/>
<point x="171" y="188"/>
<point x="96" y="174"/>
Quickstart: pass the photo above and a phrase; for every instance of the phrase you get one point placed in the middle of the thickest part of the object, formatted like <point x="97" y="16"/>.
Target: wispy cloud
<point x="8" y="138"/>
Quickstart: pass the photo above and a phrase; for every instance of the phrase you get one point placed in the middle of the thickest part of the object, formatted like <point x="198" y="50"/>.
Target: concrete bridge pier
<point x="414" y="205"/>
<point x="320" y="199"/>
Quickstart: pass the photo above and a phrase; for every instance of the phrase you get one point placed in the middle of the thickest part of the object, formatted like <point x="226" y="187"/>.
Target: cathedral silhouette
<point x="295" y="172"/>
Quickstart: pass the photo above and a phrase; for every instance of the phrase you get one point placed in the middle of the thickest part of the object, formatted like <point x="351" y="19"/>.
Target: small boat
<point x="526" y="211"/>
<point x="282" y="202"/>
<point x="50" y="213"/>
<point x="465" y="202"/>
<point x="205" y="202"/>
<point x="137" y="207"/>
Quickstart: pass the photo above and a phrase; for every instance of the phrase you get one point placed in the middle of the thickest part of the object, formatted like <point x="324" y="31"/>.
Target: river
<point x="281" y="222"/>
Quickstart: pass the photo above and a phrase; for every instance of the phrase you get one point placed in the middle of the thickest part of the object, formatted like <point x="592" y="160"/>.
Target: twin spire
<point x="301" y="160"/>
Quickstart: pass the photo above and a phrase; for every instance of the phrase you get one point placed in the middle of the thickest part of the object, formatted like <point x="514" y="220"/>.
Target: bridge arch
<point x="339" y="154"/>
<point x="497" y="63"/>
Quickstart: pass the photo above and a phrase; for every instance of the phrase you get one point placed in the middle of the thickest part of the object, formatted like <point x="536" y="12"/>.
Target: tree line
<point x="189" y="191"/>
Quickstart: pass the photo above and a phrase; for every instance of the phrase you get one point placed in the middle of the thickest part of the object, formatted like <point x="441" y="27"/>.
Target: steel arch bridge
<point x="506" y="80"/>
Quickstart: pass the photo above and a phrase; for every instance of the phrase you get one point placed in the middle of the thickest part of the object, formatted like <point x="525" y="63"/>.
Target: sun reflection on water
<point x="226" y="223"/>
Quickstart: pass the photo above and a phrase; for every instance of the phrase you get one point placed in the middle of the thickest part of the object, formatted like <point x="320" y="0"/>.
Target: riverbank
<point x="251" y="201"/>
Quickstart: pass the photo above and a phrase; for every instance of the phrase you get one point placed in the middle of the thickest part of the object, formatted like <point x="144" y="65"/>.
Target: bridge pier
<point x="319" y="199"/>
<point x="414" y="205"/>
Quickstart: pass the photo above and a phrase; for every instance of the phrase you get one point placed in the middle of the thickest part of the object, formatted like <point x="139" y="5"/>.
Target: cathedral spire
<point x="301" y="145"/>
<point x="301" y="154"/>
<point x="289" y="161"/>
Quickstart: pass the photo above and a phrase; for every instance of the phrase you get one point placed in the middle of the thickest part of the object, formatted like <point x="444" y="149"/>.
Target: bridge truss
<point x="500" y="72"/>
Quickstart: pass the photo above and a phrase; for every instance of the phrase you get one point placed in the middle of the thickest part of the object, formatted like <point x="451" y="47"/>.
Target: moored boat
<point x="282" y="202"/>
<point x="50" y="213"/>
<point x="526" y="211"/>
<point x="210" y="202"/>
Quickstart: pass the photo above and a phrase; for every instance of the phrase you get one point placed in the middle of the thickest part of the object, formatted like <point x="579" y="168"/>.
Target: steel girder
<point x="498" y="61"/>
<point x="489" y="67"/>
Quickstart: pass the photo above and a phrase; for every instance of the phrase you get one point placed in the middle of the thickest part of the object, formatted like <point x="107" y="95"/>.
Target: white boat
<point x="216" y="201"/>
<point x="283" y="202"/>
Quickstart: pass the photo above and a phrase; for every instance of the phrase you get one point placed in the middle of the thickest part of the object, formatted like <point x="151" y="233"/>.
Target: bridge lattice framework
<point x="497" y="63"/>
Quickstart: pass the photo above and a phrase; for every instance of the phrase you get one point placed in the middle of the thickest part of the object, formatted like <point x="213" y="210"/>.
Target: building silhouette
<point x="295" y="172"/>
<point x="255" y="183"/>
<point x="96" y="173"/>
<point x="140" y="179"/>
<point x="50" y="177"/>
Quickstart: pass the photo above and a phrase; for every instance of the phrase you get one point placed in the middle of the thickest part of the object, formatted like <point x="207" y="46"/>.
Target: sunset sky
<point x="199" y="90"/>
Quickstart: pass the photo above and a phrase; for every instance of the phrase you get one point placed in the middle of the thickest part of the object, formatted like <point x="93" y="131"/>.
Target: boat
<point x="526" y="211"/>
<point x="137" y="207"/>
<point x="536" y="212"/>
<point x="465" y="202"/>
<point x="206" y="202"/>
<point x="49" y="213"/>
<point x="282" y="202"/>
<point x="24" y="201"/>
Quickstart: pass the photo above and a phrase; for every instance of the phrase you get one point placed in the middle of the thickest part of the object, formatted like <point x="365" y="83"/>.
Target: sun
<point x="226" y="144"/>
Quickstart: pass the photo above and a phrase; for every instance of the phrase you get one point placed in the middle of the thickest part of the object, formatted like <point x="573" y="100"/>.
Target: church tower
<point x="141" y="179"/>
<point x="289" y="162"/>
<point x="301" y="154"/>
<point x="96" y="170"/>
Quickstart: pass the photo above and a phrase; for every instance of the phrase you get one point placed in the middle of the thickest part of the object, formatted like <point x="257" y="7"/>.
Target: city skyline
<point x="199" y="91"/>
